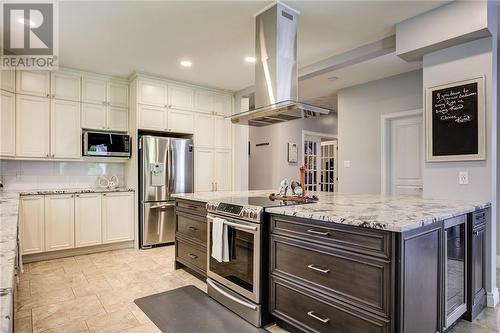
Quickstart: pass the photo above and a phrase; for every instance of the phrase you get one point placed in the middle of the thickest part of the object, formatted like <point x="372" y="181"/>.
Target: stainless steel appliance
<point x="242" y="283"/>
<point x="165" y="168"/>
<point x="106" y="144"/>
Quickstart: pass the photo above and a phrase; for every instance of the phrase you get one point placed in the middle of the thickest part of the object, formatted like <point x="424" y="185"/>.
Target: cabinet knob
<point x="104" y="194"/>
<point x="77" y="195"/>
<point x="47" y="155"/>
<point x="48" y="95"/>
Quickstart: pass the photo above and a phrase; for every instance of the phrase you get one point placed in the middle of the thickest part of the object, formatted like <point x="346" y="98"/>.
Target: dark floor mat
<point x="189" y="310"/>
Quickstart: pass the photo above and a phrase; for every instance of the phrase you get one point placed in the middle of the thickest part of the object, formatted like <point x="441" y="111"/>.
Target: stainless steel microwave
<point x="106" y="144"/>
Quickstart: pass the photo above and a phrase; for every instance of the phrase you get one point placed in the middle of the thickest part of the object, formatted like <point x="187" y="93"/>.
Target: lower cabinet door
<point x="32" y="224"/>
<point x="88" y="226"/>
<point x="223" y="173"/>
<point x="59" y="222"/>
<point x="117" y="217"/>
<point x="204" y="170"/>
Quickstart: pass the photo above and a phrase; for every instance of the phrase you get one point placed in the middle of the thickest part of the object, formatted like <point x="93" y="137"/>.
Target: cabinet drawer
<point x="352" y="278"/>
<point x="311" y="313"/>
<point x="191" y="207"/>
<point x="362" y="240"/>
<point x="191" y="255"/>
<point x="192" y="226"/>
<point x="479" y="217"/>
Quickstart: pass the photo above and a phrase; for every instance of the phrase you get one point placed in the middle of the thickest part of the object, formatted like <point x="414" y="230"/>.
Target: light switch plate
<point x="347" y="164"/>
<point x="463" y="178"/>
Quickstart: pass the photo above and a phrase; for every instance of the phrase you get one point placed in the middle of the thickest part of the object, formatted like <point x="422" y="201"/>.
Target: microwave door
<point x="181" y="166"/>
<point x="154" y="169"/>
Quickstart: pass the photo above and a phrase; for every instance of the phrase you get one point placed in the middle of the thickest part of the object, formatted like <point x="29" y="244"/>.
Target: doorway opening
<point x="319" y="157"/>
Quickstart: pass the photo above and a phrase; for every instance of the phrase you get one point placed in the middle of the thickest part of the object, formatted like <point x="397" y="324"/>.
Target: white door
<point x="94" y="90"/>
<point x="222" y="105"/>
<point x="203" y="101"/>
<point x="7" y="123"/>
<point x="117" y="119"/>
<point x="152" y="92"/>
<point x="8" y="80"/>
<point x="94" y="116"/>
<point x="222" y="132"/>
<point x="35" y="83"/>
<point x="66" y="86"/>
<point x="203" y="130"/>
<point x="117" y="217"/>
<point x="180" y="121"/>
<point x="223" y="170"/>
<point x="204" y="170"/>
<point x="152" y="117"/>
<point x="32" y="224"/>
<point x="59" y="222"/>
<point x="311" y="155"/>
<point x="181" y="98"/>
<point x="88" y="226"/>
<point x="65" y="138"/>
<point x="32" y="126"/>
<point x="118" y="94"/>
<point x="406" y="156"/>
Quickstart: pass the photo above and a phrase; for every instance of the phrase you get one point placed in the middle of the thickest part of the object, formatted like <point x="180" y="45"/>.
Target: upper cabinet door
<point x="180" y="121"/>
<point x="65" y="86"/>
<point x="203" y="101"/>
<point x="222" y="132"/>
<point x="181" y="98"/>
<point x="59" y="222"/>
<point x="32" y="126"/>
<point x="223" y="173"/>
<point x="118" y="94"/>
<point x="152" y="118"/>
<point x="35" y="83"/>
<point x="94" y="90"/>
<point x="203" y="130"/>
<point x="203" y="170"/>
<point x="152" y="92"/>
<point x="7" y="123"/>
<point x="8" y="80"/>
<point x="65" y="129"/>
<point x="223" y="104"/>
<point x="117" y="119"/>
<point x="94" y="116"/>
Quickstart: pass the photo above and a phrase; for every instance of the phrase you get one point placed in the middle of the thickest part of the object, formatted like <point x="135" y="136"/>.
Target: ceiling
<point x="117" y="38"/>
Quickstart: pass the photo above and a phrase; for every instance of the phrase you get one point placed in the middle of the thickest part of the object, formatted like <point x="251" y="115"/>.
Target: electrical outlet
<point x="463" y="178"/>
<point x="347" y="164"/>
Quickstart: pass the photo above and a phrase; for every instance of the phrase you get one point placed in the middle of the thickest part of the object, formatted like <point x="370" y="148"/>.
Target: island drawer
<point x="191" y="255"/>
<point x="311" y="312"/>
<point x="192" y="226"/>
<point x="352" y="278"/>
<point x="191" y="207"/>
<point x="358" y="239"/>
<point x="479" y="217"/>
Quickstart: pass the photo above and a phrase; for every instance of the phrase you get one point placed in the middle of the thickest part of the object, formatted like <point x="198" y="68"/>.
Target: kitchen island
<point x="371" y="263"/>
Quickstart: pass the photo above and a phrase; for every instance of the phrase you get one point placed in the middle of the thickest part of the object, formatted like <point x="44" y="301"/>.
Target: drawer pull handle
<point x="318" y="317"/>
<point x="317" y="269"/>
<point x="321" y="233"/>
<point x="192" y="256"/>
<point x="192" y="228"/>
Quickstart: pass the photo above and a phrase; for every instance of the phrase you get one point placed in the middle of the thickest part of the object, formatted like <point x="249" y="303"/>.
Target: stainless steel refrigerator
<point x="165" y="168"/>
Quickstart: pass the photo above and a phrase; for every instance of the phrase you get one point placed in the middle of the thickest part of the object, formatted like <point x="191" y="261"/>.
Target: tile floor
<point x="95" y="293"/>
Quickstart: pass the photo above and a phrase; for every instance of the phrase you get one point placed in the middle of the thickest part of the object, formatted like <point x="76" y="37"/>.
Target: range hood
<point x="276" y="75"/>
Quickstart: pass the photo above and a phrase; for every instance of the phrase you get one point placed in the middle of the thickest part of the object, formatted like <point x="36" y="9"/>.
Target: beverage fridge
<point x="165" y="168"/>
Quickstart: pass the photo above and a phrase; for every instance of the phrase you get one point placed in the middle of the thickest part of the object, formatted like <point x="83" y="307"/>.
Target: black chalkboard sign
<point x="456" y="115"/>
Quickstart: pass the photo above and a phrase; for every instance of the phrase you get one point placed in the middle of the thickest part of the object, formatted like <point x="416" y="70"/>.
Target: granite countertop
<point x="9" y="202"/>
<point x="396" y="214"/>
<point x="74" y="191"/>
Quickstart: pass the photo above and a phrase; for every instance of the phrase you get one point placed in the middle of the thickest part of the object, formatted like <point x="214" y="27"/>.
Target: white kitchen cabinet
<point x="8" y="80"/>
<point x="32" y="126"/>
<point x="180" y="98"/>
<point x="118" y="94"/>
<point x="222" y="132"/>
<point x="222" y="104"/>
<point x="152" y="118"/>
<point x="65" y="86"/>
<point x="180" y="121"/>
<point x="204" y="170"/>
<point x="34" y="83"/>
<point x="94" y="90"/>
<point x="88" y="226"/>
<point x="152" y="92"/>
<point x="117" y="119"/>
<point x="204" y="101"/>
<point x="203" y="130"/>
<point x="7" y="123"/>
<point x="32" y="224"/>
<point x="94" y="116"/>
<point x="117" y="217"/>
<point x="59" y="222"/>
<point x="65" y="130"/>
<point x="223" y="173"/>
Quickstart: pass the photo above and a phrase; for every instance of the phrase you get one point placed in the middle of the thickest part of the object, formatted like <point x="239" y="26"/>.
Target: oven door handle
<point x="236" y="225"/>
<point x="231" y="297"/>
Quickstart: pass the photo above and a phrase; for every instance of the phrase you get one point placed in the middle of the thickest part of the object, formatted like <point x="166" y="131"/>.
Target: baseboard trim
<point x="492" y="298"/>
<point x="27" y="258"/>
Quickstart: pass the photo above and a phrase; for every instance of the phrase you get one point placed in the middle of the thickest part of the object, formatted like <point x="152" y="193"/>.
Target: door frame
<point x="385" y="127"/>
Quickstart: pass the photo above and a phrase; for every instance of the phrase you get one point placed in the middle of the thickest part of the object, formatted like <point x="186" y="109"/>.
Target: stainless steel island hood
<point x="276" y="78"/>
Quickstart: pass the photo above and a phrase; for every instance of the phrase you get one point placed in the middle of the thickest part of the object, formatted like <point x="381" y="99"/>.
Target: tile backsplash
<point x="23" y="175"/>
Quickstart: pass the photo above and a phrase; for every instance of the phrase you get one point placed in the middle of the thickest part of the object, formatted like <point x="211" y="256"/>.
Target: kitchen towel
<point x="220" y="246"/>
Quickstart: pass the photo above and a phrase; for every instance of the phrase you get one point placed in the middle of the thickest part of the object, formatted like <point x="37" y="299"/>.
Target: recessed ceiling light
<point x="186" y="63"/>
<point x="250" y="59"/>
<point x="332" y="78"/>
<point x="26" y="22"/>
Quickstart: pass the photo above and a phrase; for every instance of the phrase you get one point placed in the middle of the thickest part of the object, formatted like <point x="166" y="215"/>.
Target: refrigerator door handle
<point x="162" y="206"/>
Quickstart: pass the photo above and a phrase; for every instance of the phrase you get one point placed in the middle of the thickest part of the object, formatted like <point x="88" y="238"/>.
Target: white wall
<point x="268" y="165"/>
<point x="26" y="175"/>
<point x="359" y="136"/>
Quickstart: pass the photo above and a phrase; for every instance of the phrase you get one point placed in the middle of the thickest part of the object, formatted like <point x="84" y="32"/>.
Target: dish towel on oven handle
<point x="220" y="244"/>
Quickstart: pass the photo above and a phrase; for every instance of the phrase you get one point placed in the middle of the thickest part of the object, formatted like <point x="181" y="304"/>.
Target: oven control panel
<point x="248" y="213"/>
<point x="229" y="208"/>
